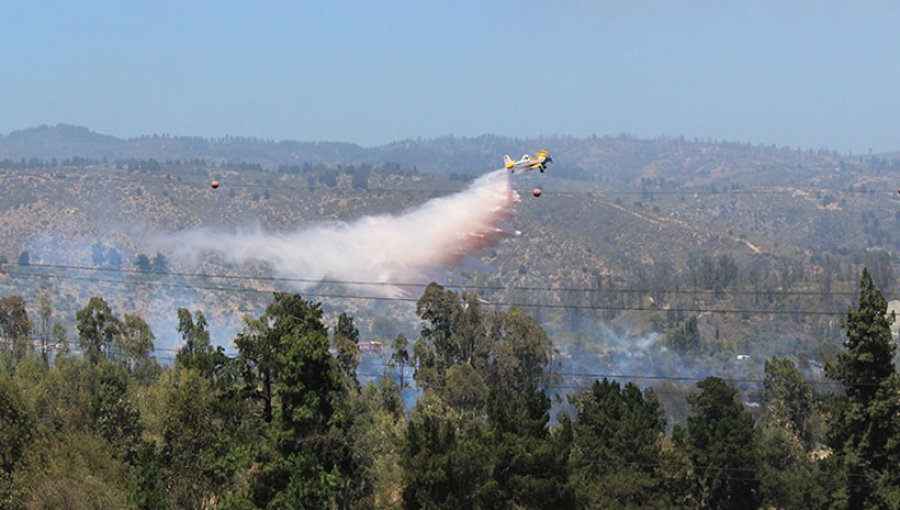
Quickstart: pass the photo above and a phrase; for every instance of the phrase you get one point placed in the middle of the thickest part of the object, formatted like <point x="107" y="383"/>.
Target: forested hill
<point x="664" y="285"/>
<point x="761" y="228"/>
<point x="615" y="160"/>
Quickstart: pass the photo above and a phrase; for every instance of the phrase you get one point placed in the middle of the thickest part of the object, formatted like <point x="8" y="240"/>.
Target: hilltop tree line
<point x="286" y="423"/>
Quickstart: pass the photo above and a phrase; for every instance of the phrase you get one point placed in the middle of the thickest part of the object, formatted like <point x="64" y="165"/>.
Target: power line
<point x="335" y="281"/>
<point x="550" y="306"/>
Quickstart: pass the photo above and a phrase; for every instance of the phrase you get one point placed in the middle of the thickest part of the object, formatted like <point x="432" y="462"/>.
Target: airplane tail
<point x="508" y="161"/>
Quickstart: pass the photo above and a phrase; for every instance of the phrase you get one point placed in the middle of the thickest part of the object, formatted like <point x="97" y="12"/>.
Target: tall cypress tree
<point x="865" y="429"/>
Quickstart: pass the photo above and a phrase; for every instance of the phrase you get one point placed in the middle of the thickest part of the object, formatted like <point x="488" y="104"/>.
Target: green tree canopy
<point x="309" y="458"/>
<point x="723" y="448"/>
<point x="442" y="470"/>
<point x="14" y="322"/>
<point x="16" y="429"/>
<point x="865" y="426"/>
<point x="617" y="446"/>
<point x="788" y="398"/>
<point x="134" y="340"/>
<point x="196" y="350"/>
<point x="262" y="340"/>
<point x="97" y="329"/>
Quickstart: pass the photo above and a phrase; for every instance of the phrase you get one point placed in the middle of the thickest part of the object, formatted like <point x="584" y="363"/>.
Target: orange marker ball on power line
<point x="536" y="192"/>
<point x="215" y="185"/>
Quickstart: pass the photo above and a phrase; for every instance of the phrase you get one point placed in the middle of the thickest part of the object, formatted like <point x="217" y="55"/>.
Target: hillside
<point x="630" y="239"/>
<point x="611" y="160"/>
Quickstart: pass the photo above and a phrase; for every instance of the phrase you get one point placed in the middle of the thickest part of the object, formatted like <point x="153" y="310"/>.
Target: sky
<point x="800" y="74"/>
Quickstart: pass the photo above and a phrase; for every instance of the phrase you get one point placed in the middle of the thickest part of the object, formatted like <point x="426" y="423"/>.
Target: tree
<point x="790" y="478"/>
<point x="309" y="454"/>
<point x="442" y="470"/>
<point x="462" y="352"/>
<point x="616" y="447"/>
<point x="261" y="341"/>
<point x="454" y="332"/>
<point x="97" y="328"/>
<point x="159" y="264"/>
<point x="116" y="418"/>
<point x="723" y="449"/>
<point x="528" y="466"/>
<point x="726" y="272"/>
<point x="188" y="432"/>
<point x="375" y="436"/>
<point x="453" y="326"/>
<point x="400" y="356"/>
<point x="142" y="263"/>
<point x="148" y="490"/>
<point x="17" y="432"/>
<point x="14" y="322"/>
<point x="788" y="398"/>
<point x="359" y="178"/>
<point x="59" y="340"/>
<point x="437" y="308"/>
<point x="134" y="342"/>
<point x="519" y="351"/>
<point x="257" y="348"/>
<point x="345" y="340"/>
<point x="45" y="311"/>
<point x="347" y="328"/>
<point x="865" y="426"/>
<point x="15" y="326"/>
<point x="196" y="351"/>
<point x="685" y="338"/>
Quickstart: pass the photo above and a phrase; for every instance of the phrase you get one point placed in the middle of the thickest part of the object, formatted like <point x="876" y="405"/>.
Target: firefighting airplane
<point x="527" y="162"/>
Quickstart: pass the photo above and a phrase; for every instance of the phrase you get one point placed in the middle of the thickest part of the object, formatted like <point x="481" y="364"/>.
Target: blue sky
<point x="800" y="74"/>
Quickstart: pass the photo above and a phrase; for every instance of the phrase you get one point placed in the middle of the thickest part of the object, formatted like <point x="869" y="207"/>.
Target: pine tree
<point x="723" y="448"/>
<point x="865" y="431"/>
<point x="309" y="454"/>
<point x="528" y="468"/>
<point x="443" y="469"/>
<point x="617" y="443"/>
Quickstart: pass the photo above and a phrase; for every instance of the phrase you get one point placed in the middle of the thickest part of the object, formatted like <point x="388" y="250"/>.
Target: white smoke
<point x="386" y="248"/>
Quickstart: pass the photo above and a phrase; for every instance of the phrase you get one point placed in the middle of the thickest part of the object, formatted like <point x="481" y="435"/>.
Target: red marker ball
<point x="215" y="185"/>
<point x="536" y="192"/>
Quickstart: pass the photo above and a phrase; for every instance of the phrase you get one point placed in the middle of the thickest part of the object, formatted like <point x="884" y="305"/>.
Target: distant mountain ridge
<point x="67" y="141"/>
<point x="613" y="160"/>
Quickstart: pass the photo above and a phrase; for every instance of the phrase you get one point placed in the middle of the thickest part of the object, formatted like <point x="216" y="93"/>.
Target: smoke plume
<point x="385" y="248"/>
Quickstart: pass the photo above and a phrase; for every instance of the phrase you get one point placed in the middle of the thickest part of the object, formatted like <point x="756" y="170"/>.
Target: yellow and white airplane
<point x="528" y="162"/>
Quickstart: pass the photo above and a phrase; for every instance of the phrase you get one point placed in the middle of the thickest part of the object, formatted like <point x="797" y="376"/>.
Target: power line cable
<point x="550" y="306"/>
<point x="335" y="281"/>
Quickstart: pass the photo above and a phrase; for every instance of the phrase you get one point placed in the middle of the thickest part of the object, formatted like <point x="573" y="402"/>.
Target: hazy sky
<point x="797" y="73"/>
